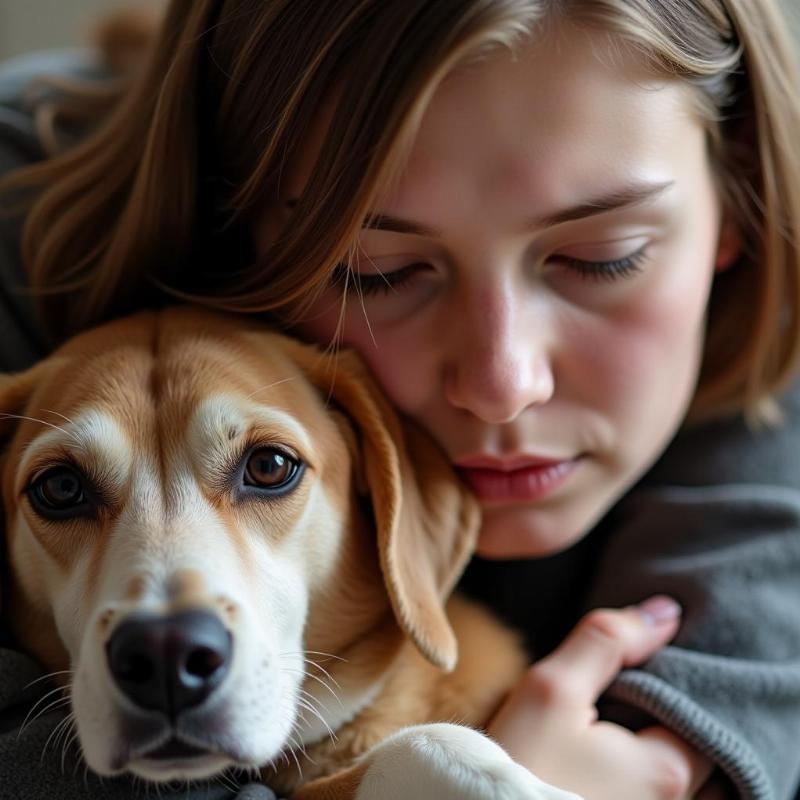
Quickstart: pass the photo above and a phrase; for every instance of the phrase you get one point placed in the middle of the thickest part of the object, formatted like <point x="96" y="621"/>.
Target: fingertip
<point x="659" y="610"/>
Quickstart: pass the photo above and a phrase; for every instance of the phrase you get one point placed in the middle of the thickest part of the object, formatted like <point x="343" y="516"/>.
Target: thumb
<point x="606" y="640"/>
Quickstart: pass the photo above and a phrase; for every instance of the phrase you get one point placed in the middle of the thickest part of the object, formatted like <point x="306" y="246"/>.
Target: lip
<point x="515" y="479"/>
<point x="507" y="463"/>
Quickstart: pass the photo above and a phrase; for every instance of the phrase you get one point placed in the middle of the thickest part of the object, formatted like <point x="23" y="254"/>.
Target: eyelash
<point x="596" y="271"/>
<point x="367" y="285"/>
<point x="608" y="270"/>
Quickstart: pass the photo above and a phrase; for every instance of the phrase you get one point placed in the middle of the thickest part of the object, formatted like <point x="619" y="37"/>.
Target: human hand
<point x="549" y="721"/>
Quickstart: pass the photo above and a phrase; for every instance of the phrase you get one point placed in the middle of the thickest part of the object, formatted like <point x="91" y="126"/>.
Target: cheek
<point x="401" y="360"/>
<point x="643" y="359"/>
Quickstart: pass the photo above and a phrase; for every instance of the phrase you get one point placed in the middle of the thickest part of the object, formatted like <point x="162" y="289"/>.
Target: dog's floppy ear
<point x="15" y="391"/>
<point x="427" y="522"/>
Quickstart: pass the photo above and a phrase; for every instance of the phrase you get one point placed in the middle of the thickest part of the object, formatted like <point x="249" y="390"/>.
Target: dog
<point x="243" y="557"/>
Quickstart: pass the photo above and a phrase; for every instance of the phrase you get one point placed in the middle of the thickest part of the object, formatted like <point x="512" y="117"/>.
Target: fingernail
<point x="659" y="610"/>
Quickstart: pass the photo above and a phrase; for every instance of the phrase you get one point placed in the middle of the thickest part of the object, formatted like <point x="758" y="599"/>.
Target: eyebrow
<point x="625" y="197"/>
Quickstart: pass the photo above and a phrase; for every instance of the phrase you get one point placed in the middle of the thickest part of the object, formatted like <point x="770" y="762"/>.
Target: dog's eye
<point x="270" y="468"/>
<point x="58" y="492"/>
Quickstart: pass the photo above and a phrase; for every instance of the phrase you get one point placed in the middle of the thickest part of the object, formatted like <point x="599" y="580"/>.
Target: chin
<point x="519" y="532"/>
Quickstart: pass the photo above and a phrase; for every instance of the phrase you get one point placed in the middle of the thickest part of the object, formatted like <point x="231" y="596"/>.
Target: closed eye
<point x="375" y="283"/>
<point x="606" y="270"/>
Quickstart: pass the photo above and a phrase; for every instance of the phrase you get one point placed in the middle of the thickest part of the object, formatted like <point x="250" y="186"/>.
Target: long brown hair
<point x="160" y="200"/>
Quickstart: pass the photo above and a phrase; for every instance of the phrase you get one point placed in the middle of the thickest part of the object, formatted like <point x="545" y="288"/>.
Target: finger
<point x="603" y="642"/>
<point x="680" y="769"/>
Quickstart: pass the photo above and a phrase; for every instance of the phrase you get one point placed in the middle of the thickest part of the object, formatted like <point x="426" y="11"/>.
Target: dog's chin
<point x="179" y="768"/>
<point x="173" y="759"/>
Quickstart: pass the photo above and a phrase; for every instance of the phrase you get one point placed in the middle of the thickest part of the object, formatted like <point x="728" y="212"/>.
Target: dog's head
<point x="197" y="512"/>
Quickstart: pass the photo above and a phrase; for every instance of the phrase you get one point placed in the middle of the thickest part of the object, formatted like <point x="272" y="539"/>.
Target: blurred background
<point x="41" y="24"/>
<point x="36" y="24"/>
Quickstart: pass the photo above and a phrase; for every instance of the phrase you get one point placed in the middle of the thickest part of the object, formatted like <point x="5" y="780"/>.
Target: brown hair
<point x="161" y="198"/>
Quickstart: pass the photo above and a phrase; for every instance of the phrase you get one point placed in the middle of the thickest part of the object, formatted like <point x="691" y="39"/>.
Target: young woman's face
<point x="533" y="290"/>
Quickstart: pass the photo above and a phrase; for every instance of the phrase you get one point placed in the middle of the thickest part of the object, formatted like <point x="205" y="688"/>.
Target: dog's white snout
<point x="170" y="663"/>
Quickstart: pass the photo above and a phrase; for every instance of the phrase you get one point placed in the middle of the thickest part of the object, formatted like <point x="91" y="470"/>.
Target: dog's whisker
<point x="7" y="415"/>
<point x="65" y="733"/>
<point x="296" y="760"/>
<point x="305" y="653"/>
<point x="74" y="738"/>
<point x="319" y="716"/>
<point x="318" y="700"/>
<point x="313" y="653"/>
<point x="59" y="732"/>
<point x="300" y="747"/>
<point x="310" y="698"/>
<point x="270" y="386"/>
<point x="54" y="705"/>
<point x="327" y="655"/>
<point x="68" y="742"/>
<point x="325" y="673"/>
<point x="46" y="677"/>
<point x="229" y="782"/>
<point x="42" y="699"/>
<point x="326" y="686"/>
<point x="58" y="414"/>
<point x="53" y="733"/>
<point x="33" y="714"/>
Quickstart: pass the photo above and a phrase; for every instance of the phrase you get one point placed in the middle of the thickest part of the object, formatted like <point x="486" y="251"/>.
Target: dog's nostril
<point x="171" y="663"/>
<point x="204" y="662"/>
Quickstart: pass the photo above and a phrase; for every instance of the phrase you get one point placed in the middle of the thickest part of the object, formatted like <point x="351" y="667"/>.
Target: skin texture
<point x="490" y="333"/>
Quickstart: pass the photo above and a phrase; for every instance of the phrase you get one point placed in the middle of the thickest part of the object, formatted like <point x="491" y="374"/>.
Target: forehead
<point x="567" y="113"/>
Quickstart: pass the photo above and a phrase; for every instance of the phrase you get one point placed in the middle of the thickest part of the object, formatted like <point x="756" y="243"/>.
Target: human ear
<point x="729" y="246"/>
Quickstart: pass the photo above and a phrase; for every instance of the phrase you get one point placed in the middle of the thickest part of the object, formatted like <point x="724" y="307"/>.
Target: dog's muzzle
<point x="170" y="664"/>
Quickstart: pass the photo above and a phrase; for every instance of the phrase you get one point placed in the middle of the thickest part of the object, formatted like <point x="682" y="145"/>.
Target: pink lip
<point x="507" y="463"/>
<point x="520" y="479"/>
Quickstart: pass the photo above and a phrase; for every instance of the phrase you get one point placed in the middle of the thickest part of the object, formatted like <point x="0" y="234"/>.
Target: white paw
<point x="444" y="762"/>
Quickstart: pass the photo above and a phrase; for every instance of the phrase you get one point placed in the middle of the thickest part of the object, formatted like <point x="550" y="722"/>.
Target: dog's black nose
<point x="170" y="663"/>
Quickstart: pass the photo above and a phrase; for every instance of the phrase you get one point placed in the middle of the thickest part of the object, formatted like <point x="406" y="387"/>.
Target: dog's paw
<point x="448" y="762"/>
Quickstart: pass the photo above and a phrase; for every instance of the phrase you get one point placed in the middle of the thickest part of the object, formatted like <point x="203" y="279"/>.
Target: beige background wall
<point x="35" y="24"/>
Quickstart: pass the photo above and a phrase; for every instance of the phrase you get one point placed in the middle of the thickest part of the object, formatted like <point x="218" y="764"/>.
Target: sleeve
<point x="717" y="526"/>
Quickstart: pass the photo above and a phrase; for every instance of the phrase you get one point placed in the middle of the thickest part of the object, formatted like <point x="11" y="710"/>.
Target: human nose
<point x="497" y="365"/>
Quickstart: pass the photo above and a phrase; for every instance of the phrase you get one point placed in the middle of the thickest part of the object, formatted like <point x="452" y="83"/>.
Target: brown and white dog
<point x="237" y="548"/>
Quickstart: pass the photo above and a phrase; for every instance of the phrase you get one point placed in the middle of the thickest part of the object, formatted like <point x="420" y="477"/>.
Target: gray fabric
<point x="731" y="682"/>
<point x="715" y="523"/>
